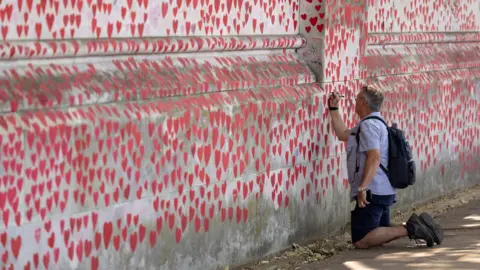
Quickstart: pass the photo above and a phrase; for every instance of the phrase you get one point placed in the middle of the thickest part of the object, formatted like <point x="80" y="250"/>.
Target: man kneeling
<point x="370" y="186"/>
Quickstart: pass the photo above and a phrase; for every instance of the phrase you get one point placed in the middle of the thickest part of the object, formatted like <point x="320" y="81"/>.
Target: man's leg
<point x="371" y="226"/>
<point x="385" y="219"/>
<point x="415" y="229"/>
<point x="366" y="230"/>
<point x="384" y="233"/>
<point x="380" y="236"/>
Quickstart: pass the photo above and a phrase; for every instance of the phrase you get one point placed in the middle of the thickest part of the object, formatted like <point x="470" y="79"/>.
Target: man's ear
<point x="365" y="103"/>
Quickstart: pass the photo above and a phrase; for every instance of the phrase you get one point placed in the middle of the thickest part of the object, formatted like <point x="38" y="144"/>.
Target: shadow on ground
<point x="460" y="249"/>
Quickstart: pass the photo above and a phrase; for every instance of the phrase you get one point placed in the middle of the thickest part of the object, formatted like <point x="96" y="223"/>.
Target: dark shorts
<point x="374" y="215"/>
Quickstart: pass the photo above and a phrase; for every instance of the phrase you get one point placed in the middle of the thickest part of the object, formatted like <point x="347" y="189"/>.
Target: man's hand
<point x="333" y="100"/>
<point x="362" y="199"/>
<point x="341" y="131"/>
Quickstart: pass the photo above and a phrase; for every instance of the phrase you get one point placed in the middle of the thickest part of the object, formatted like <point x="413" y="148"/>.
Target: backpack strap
<point x="377" y="118"/>
<point x="357" y="135"/>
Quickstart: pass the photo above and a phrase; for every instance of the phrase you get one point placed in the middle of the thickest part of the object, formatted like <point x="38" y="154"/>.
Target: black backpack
<point x="401" y="166"/>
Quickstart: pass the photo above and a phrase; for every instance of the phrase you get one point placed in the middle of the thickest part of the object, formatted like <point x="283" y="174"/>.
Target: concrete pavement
<point x="459" y="250"/>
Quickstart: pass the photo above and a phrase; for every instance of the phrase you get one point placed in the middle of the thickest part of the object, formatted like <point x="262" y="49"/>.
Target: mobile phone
<point x="369" y="195"/>
<point x="340" y="96"/>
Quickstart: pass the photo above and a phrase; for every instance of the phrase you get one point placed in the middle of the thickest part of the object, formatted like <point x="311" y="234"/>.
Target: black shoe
<point x="435" y="228"/>
<point x="417" y="230"/>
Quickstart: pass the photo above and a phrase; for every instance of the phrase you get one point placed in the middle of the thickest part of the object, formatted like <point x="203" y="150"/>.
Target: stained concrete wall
<point x="425" y="56"/>
<point x="191" y="134"/>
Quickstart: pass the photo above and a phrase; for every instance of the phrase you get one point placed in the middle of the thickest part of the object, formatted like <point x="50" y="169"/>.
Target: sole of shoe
<point x="430" y="242"/>
<point x="436" y="230"/>
<point x="420" y="231"/>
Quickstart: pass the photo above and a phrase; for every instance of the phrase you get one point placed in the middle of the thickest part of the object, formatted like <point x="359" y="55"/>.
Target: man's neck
<point x="364" y="114"/>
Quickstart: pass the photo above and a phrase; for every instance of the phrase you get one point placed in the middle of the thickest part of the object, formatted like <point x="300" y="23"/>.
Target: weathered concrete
<point x="460" y="249"/>
<point x="129" y="145"/>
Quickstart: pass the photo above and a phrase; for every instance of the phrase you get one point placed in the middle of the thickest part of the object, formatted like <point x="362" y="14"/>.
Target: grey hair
<point x="373" y="97"/>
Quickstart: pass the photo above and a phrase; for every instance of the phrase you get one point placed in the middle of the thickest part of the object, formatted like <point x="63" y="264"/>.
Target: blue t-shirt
<point x="373" y="135"/>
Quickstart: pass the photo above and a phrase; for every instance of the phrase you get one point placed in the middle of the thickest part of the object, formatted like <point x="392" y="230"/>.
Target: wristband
<point x="333" y="108"/>
<point x="361" y="189"/>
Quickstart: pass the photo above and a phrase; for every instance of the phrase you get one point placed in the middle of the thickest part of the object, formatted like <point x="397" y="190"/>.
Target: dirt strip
<point x="323" y="249"/>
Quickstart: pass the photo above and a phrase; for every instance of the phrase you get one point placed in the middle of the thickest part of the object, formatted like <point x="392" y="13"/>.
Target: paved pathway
<point x="459" y="250"/>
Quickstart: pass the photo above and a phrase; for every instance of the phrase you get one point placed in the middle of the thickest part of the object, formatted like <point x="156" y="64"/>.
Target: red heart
<point x="88" y="248"/>
<point x="79" y="250"/>
<point x="178" y="235"/>
<point x="153" y="238"/>
<point x="95" y="263"/>
<point x="133" y="241"/>
<point x="141" y="232"/>
<point x="46" y="260"/>
<point x="159" y="224"/>
<point x="116" y="242"/>
<point x="16" y="244"/>
<point x="107" y="233"/>
<point x="98" y="240"/>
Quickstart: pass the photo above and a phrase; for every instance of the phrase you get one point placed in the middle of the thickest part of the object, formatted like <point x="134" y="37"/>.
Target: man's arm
<point x="341" y="130"/>
<point x="370" y="143"/>
<point x="339" y="127"/>
<point x="371" y="166"/>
